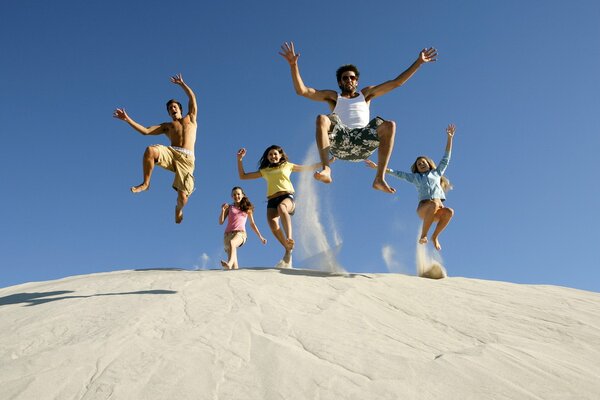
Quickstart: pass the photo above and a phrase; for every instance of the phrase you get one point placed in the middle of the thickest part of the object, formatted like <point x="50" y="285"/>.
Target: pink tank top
<point x="236" y="220"/>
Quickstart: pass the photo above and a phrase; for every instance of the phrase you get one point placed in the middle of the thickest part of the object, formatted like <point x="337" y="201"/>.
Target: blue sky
<point x="519" y="79"/>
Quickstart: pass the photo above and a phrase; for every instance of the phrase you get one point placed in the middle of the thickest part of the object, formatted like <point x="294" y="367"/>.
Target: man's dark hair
<point x="176" y="102"/>
<point x="344" y="68"/>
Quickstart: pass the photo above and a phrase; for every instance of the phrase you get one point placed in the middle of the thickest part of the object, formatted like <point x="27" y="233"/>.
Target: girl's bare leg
<point x="273" y="221"/>
<point x="444" y="215"/>
<point x="427" y="213"/>
<point x="232" y="261"/>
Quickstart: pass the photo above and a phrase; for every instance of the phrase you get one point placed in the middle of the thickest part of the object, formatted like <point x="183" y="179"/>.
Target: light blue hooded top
<point x="428" y="184"/>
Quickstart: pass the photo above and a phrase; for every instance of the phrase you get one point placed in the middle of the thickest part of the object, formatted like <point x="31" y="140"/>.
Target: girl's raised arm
<point x="310" y="167"/>
<point x="240" y="165"/>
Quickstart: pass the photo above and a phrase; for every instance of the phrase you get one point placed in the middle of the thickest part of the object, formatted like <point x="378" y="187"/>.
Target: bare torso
<point x="182" y="132"/>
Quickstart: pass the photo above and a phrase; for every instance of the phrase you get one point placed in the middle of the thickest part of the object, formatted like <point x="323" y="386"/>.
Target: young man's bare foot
<point x="324" y="175"/>
<point x="436" y="243"/>
<point x="380" y="184"/>
<point x="140" y="188"/>
<point x="178" y="215"/>
<point x="225" y="265"/>
<point x="423" y="240"/>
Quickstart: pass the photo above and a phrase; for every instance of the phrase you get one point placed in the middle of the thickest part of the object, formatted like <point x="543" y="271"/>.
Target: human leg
<point x="426" y="212"/>
<point x="284" y="209"/>
<point x="150" y="158"/>
<point x="182" y="200"/>
<point x="322" y="130"/>
<point x="234" y="241"/>
<point x="443" y="215"/>
<point x="386" y="133"/>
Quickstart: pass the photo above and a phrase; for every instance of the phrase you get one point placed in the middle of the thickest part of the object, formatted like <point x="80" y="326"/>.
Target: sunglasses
<point x="348" y="78"/>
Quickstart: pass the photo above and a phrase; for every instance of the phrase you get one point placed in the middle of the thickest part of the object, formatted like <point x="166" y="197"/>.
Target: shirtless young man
<point x="179" y="156"/>
<point x="349" y="133"/>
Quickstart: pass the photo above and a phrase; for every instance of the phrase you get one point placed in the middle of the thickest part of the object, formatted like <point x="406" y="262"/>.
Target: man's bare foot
<point x="423" y="240"/>
<point x="380" y="184"/>
<point x="178" y="215"/>
<point x="324" y="175"/>
<point x="436" y="243"/>
<point x="140" y="188"/>
<point x="225" y="265"/>
<point x="289" y="246"/>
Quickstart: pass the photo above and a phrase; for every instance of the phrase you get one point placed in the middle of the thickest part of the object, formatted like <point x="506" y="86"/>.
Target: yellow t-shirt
<point x="278" y="178"/>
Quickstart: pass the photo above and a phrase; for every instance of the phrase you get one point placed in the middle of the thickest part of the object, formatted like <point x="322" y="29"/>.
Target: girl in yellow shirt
<point x="275" y="168"/>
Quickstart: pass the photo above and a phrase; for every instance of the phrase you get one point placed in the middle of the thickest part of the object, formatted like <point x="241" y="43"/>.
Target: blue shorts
<point x="276" y="201"/>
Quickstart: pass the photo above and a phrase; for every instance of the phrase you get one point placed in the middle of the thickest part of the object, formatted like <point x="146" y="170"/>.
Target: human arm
<point x="255" y="228"/>
<point x="121" y="114"/>
<point x="310" y="167"/>
<point x="224" y="213"/>
<point x="425" y="56"/>
<point x="192" y="105"/>
<point x="288" y="52"/>
<point x="450" y="130"/>
<point x="240" y="165"/>
<point x="398" y="174"/>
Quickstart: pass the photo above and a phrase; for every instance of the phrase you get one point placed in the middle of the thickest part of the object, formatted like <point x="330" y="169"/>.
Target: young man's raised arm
<point x="192" y="104"/>
<point x="425" y="56"/>
<point x="121" y="114"/>
<point x="288" y="52"/>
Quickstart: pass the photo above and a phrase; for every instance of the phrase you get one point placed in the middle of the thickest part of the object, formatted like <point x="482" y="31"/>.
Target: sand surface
<point x="270" y="334"/>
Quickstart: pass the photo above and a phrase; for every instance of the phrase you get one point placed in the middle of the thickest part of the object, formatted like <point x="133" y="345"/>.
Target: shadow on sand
<point x="34" y="299"/>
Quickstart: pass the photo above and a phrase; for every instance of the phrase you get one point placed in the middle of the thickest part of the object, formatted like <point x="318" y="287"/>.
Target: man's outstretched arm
<point x="288" y="52"/>
<point x="151" y="130"/>
<point x="192" y="105"/>
<point x="425" y="56"/>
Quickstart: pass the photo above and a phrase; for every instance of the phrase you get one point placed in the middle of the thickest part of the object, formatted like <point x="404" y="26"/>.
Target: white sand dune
<point x="270" y="334"/>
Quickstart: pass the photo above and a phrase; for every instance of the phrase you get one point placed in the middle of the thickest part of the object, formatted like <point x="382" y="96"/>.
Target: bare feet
<point x="289" y="244"/>
<point x="423" y="240"/>
<point x="380" y="184"/>
<point x="225" y="265"/>
<point x="140" y="188"/>
<point x="436" y="243"/>
<point x="324" y="175"/>
<point x="178" y="215"/>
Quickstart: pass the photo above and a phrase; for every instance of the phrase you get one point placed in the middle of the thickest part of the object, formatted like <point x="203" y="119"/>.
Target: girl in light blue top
<point x="431" y="186"/>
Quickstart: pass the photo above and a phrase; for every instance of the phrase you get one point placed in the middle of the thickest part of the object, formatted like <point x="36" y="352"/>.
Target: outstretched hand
<point x="370" y="164"/>
<point x="120" y="113"/>
<point x="288" y="52"/>
<point x="225" y="206"/>
<point x="428" y="55"/>
<point x="241" y="153"/>
<point x="177" y="79"/>
<point x="450" y="130"/>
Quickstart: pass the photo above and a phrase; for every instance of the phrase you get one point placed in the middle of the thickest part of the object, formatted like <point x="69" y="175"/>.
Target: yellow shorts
<point x="181" y="164"/>
<point x="228" y="236"/>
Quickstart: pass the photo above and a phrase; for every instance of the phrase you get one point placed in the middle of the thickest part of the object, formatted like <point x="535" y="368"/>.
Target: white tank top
<point x="354" y="113"/>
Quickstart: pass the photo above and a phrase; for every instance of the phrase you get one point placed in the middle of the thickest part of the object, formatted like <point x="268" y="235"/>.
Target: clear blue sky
<point x="519" y="79"/>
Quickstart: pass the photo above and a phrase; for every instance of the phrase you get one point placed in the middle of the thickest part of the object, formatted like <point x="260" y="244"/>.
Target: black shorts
<point x="275" y="201"/>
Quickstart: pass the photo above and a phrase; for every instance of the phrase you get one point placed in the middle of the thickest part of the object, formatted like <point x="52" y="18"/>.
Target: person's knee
<point x="151" y="152"/>
<point x="387" y="129"/>
<point x="283" y="209"/>
<point x="323" y="120"/>
<point x="450" y="212"/>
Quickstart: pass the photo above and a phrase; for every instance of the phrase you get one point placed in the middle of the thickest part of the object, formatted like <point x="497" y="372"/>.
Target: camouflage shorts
<point x="353" y="144"/>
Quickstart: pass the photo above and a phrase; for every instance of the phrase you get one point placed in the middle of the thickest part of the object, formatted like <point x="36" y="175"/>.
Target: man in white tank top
<point x="349" y="133"/>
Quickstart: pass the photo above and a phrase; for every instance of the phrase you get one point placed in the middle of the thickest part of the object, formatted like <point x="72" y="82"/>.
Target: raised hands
<point x="428" y="55"/>
<point x="177" y="79"/>
<point x="120" y="114"/>
<point x="288" y="52"/>
<point x="450" y="130"/>
<point x="241" y="153"/>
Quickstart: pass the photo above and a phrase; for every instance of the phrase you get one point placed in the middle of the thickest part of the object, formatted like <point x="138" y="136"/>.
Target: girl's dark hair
<point x="444" y="182"/>
<point x="245" y="204"/>
<point x="264" y="160"/>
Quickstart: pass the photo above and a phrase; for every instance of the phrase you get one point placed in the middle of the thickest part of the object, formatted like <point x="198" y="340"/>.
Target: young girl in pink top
<point x="235" y="232"/>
